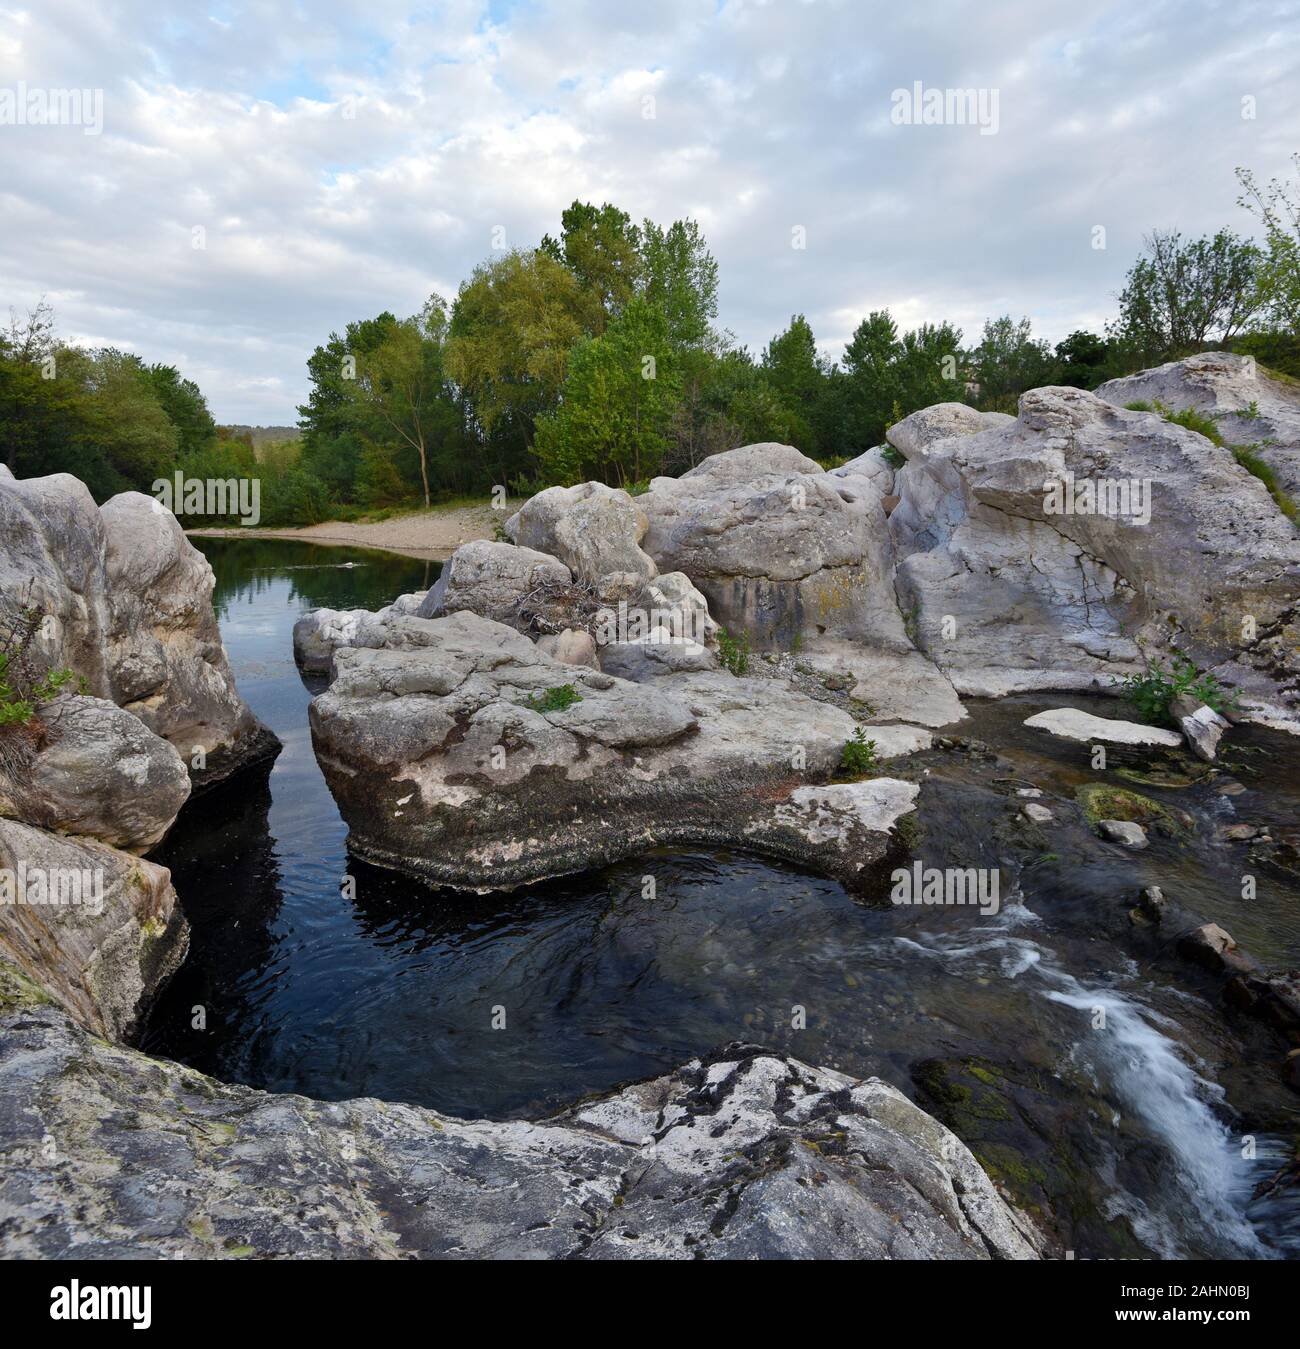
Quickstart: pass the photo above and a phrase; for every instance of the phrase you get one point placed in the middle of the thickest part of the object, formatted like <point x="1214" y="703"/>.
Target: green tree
<point x="680" y="276"/>
<point x="186" y="408"/>
<point x="1009" y="360"/>
<point x="1277" y="208"/>
<point x="799" y="377"/>
<point x="613" y="416"/>
<point x="601" y="247"/>
<point x="1180" y="296"/>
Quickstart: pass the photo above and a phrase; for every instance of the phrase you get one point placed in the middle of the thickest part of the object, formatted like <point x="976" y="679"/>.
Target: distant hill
<point x="264" y="435"/>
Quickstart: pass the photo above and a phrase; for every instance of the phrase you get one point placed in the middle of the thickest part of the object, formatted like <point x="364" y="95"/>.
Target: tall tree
<point x="1277" y="208"/>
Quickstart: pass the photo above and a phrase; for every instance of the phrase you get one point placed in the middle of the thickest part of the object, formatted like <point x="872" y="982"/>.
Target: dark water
<point x="1129" y="1138"/>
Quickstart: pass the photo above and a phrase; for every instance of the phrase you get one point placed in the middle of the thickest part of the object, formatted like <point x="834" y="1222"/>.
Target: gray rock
<point x="97" y="771"/>
<point x="1202" y="726"/>
<point x="1123" y="831"/>
<point x="653" y="656"/>
<point x="95" y="929"/>
<point x="455" y="760"/>
<point x="490" y="579"/>
<point x="743" y="1156"/>
<point x="1011" y="594"/>
<point x="570" y="647"/>
<point x="591" y="528"/>
<point x="1037" y="814"/>
<point x="1069" y="723"/>
<point x="1248" y="406"/>
<point x="126" y="604"/>
<point x="916" y="434"/>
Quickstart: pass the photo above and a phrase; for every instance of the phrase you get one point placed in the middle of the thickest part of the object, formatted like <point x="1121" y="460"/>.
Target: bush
<point x="733" y="654"/>
<point x="858" y="757"/>
<point x="1151" y="692"/>
<point x="555" y="699"/>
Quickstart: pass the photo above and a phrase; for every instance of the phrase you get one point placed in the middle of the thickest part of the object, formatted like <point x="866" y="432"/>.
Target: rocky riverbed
<point x="760" y="656"/>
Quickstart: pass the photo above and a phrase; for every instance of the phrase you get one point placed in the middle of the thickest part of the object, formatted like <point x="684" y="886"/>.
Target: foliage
<point x="1254" y="465"/>
<point x="733" y="652"/>
<point x="1277" y="208"/>
<point x="1152" y="691"/>
<point x="27" y="682"/>
<point x="858" y="757"/>
<point x="1179" y="296"/>
<point x="555" y="699"/>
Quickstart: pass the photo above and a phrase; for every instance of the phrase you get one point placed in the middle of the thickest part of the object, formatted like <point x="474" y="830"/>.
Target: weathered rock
<point x="1037" y="814"/>
<point x="591" y="528"/>
<point x="655" y="655"/>
<point x="465" y="761"/>
<point x="1248" y="406"/>
<point x="95" y="929"/>
<point x="97" y="771"/>
<point x="1128" y="833"/>
<point x="167" y="662"/>
<point x="1203" y="727"/>
<point x="1211" y="947"/>
<point x="126" y="604"/>
<point x="1015" y="589"/>
<point x="781" y="549"/>
<point x="744" y="1156"/>
<point x="1069" y="723"/>
<point x="873" y="466"/>
<point x="915" y="434"/>
<point x="490" y="579"/>
<point x="570" y="647"/>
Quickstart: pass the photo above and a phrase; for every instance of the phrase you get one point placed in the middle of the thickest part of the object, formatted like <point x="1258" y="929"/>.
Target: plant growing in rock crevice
<point x="27" y="684"/>
<point x="858" y="757"/>
<point x="733" y="652"/>
<point x="1152" y="692"/>
<point x="555" y="699"/>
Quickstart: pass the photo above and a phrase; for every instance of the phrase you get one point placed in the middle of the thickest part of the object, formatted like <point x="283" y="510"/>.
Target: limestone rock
<point x="1203" y="727"/>
<point x="591" y="528"/>
<point x="1128" y="833"/>
<point x="490" y="579"/>
<point x="1069" y="723"/>
<point x="726" y="1158"/>
<point x="96" y="929"/>
<point x="1248" y="406"/>
<point x="99" y="772"/>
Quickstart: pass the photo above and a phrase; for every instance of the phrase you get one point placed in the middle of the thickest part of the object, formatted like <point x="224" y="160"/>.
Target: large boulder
<point x="1010" y="592"/>
<point x="593" y="529"/>
<point x="476" y="760"/>
<point x="490" y="579"/>
<point x="744" y="1155"/>
<point x="126" y="602"/>
<point x="913" y="436"/>
<point x="95" y="929"/>
<point x="783" y="550"/>
<point x="1249" y="406"/>
<point x="89" y="767"/>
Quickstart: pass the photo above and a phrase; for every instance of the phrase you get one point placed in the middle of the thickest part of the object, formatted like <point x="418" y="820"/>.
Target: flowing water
<point x="1108" y="1091"/>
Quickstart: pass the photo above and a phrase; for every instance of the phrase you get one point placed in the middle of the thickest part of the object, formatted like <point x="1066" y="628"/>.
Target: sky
<point x="338" y="160"/>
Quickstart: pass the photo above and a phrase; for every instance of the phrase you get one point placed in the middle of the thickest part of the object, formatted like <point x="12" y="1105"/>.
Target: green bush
<point x="555" y="699"/>
<point x="1151" y="692"/>
<point x="858" y="757"/>
<point x="733" y="653"/>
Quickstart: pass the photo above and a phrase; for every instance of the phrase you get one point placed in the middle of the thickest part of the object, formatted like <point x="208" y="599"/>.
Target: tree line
<point x="596" y="354"/>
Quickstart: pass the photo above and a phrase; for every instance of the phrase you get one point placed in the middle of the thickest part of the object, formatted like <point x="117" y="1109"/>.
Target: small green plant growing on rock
<point x="858" y="757"/>
<point x="733" y="652"/>
<point x="1151" y="692"/>
<point x="555" y="699"/>
<point x="25" y="682"/>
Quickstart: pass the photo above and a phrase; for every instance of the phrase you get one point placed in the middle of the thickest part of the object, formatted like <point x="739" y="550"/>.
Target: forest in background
<point x="597" y="354"/>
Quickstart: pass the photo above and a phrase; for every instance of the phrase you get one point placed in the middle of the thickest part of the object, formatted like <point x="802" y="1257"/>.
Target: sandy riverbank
<point x="423" y="534"/>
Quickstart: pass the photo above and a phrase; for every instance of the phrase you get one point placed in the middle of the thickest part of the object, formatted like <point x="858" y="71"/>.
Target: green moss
<point x="1253" y="464"/>
<point x="1101" y="801"/>
<point x="17" y="991"/>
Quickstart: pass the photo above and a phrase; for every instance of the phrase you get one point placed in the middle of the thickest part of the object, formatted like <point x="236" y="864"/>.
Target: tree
<point x="601" y="247"/>
<point x="1009" y="360"/>
<point x="1277" y="208"/>
<point x="186" y="408"/>
<point x="512" y="328"/>
<point x="680" y="275"/>
<point x="1180" y="296"/>
<point x="400" y="380"/>
<point x="617" y="399"/>
<point x="798" y="377"/>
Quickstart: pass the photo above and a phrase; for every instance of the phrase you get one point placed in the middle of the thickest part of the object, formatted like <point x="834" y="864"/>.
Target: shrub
<point x="555" y="699"/>
<point x="733" y="653"/>
<point x="26" y="683"/>
<point x="858" y="757"/>
<point x="1151" y="692"/>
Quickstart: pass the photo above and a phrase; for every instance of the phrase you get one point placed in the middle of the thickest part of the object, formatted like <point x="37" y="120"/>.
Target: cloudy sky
<point x="343" y="159"/>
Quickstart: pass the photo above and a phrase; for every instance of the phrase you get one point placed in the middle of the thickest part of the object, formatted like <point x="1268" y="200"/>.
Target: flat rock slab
<point x="1069" y="723"/>
<point x="743" y="1155"/>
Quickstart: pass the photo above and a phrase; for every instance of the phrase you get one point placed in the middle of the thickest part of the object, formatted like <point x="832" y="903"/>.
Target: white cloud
<point x="764" y="117"/>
